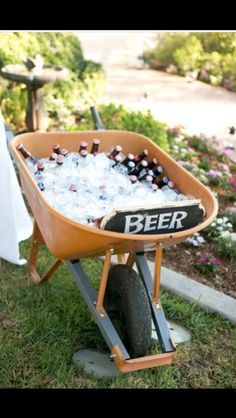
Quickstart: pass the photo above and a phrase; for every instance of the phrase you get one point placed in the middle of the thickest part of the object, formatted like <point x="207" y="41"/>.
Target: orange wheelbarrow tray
<point x="71" y="241"/>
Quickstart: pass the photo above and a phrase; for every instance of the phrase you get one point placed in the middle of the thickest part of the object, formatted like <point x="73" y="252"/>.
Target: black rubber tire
<point x="127" y="305"/>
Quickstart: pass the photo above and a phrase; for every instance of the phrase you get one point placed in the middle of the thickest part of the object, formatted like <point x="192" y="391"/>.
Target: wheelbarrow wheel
<point x="127" y="305"/>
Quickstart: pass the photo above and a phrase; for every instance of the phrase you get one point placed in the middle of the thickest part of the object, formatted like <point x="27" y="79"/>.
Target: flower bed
<point x="209" y="257"/>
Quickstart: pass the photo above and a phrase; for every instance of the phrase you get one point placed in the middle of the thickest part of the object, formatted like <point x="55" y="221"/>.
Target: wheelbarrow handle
<point x="96" y="119"/>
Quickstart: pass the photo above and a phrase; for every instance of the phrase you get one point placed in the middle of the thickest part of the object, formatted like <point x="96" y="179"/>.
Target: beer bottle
<point x="53" y="156"/>
<point x="154" y="187"/>
<point x="116" y="150"/>
<point x="165" y="182"/>
<point x="159" y="170"/>
<point x="40" y="166"/>
<point x="26" y="154"/>
<point x="148" y="181"/>
<point x="133" y="179"/>
<point x="147" y="173"/>
<point x="140" y="167"/>
<point x="130" y="157"/>
<point x="117" y="160"/>
<point x="83" y="146"/>
<point x="83" y="153"/>
<point x="152" y="164"/>
<point x="95" y="146"/>
<point x="64" y="152"/>
<point x="60" y="160"/>
<point x="73" y="187"/>
<point x="131" y="166"/>
<point x="140" y="157"/>
<point x="41" y="186"/>
<point x="56" y="148"/>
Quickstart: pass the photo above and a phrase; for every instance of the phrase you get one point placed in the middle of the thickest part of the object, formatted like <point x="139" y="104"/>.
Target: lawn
<point x="43" y="325"/>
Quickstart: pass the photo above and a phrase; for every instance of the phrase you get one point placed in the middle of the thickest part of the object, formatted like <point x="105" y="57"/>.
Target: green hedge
<point x="118" y="117"/>
<point x="85" y="81"/>
<point x="209" y="57"/>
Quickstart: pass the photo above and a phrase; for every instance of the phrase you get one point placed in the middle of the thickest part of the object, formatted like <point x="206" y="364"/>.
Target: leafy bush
<point x="217" y="228"/>
<point x="118" y="117"/>
<point x="208" y="265"/>
<point x="189" y="57"/>
<point x="210" y="56"/>
<point x="85" y="81"/>
<point x="227" y="244"/>
<point x="162" y="55"/>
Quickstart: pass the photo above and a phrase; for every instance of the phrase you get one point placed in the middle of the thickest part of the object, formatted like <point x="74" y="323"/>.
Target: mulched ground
<point x="182" y="259"/>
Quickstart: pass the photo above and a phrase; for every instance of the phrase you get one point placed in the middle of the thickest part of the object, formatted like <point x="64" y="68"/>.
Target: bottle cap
<point x="130" y="157"/>
<point x="41" y="186"/>
<point x="131" y="164"/>
<point x="144" y="163"/>
<point x="60" y="160"/>
<point x="133" y="179"/>
<point x="159" y="170"/>
<point x="83" y="144"/>
<point x="154" y="187"/>
<point x="149" y="178"/>
<point x="64" y="152"/>
<point x="118" y="158"/>
<point x="53" y="156"/>
<point x="56" y="146"/>
<point x="40" y="166"/>
<point x="83" y="153"/>
<point x="96" y="141"/>
<point x="171" y="184"/>
<point x="73" y="187"/>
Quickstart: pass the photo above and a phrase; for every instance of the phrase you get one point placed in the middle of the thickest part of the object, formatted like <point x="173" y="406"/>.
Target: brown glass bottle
<point x="140" y="157"/>
<point x="56" y="148"/>
<point x="115" y="152"/>
<point x="26" y="154"/>
<point x="95" y="146"/>
<point x="130" y="157"/>
<point x="83" y="146"/>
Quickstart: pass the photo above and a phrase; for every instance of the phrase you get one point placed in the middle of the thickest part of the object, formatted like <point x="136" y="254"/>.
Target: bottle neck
<point x="26" y="154"/>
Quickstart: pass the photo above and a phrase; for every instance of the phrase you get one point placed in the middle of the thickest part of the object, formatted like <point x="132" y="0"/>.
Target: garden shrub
<point x="85" y="81"/>
<point x="189" y="57"/>
<point x="211" y="56"/>
<point x="118" y="117"/>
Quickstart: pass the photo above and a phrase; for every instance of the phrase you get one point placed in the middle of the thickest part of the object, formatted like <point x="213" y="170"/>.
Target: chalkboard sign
<point x="155" y="220"/>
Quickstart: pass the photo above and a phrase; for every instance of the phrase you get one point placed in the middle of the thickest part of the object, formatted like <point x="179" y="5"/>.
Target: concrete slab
<point x="96" y="364"/>
<point x="178" y="333"/>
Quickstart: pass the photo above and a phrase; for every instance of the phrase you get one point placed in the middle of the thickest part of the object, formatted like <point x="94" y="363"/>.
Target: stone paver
<point x="96" y="364"/>
<point x="201" y="108"/>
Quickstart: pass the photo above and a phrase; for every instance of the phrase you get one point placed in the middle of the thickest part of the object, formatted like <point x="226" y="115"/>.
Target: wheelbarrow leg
<point x="153" y="290"/>
<point x="36" y="241"/>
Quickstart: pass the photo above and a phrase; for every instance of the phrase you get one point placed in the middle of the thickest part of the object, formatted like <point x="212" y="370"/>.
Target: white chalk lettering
<point x="164" y="217"/>
<point x="132" y="221"/>
<point x="150" y="223"/>
<point x="176" y="220"/>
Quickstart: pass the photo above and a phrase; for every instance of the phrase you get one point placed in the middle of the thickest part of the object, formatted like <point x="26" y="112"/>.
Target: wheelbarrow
<point x="126" y="302"/>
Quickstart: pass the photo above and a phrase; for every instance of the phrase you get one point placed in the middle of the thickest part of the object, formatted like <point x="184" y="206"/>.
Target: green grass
<point x="41" y="326"/>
